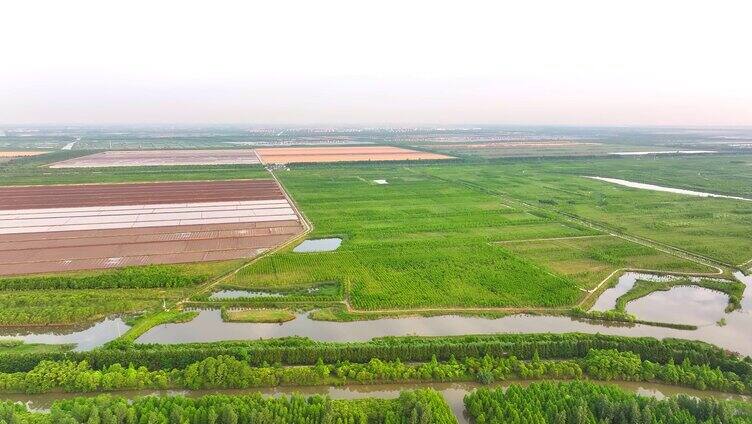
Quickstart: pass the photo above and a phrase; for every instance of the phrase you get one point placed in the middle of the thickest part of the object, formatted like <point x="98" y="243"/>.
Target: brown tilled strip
<point x="36" y="197"/>
<point x="113" y="255"/>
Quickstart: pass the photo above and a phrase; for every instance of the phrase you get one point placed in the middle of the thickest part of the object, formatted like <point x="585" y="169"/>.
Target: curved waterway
<point x="454" y="393"/>
<point x="681" y="304"/>
<point x="208" y="326"/>
<point x="83" y="338"/>
<point x="653" y="187"/>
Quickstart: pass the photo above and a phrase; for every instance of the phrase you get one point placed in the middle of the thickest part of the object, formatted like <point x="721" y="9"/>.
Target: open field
<point x="62" y="228"/>
<point x="717" y="228"/>
<point x="34" y="171"/>
<point x="20" y="153"/>
<point x="588" y="260"/>
<point x="160" y="158"/>
<point x="439" y="249"/>
<point x="720" y="174"/>
<point x="284" y="155"/>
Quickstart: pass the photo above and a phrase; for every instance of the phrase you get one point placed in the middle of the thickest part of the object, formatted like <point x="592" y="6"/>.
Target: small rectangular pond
<point x="318" y="245"/>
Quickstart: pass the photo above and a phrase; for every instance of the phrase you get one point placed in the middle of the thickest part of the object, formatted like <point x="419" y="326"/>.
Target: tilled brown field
<point x="120" y="158"/>
<point x="284" y="155"/>
<point x="65" y="228"/>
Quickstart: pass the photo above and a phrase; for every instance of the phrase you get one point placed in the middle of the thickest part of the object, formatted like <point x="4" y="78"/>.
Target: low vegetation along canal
<point x="698" y="306"/>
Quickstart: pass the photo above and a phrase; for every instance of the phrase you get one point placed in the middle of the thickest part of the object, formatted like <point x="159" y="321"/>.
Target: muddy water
<point x="318" y="245"/>
<point x="454" y="393"/>
<point x="681" y="304"/>
<point x="666" y="189"/>
<point x="84" y="338"/>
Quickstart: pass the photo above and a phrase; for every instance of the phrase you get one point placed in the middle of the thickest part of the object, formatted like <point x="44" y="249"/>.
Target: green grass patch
<point x="86" y="296"/>
<point x="589" y="260"/>
<point x="717" y="228"/>
<point x="143" y="323"/>
<point x="149" y="276"/>
<point x="257" y="315"/>
<point x="416" y="242"/>
<point x="15" y="346"/>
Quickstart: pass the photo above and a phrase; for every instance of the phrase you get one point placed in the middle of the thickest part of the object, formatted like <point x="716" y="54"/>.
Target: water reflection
<point x="84" y="339"/>
<point x="653" y="187"/>
<point x="681" y="304"/>
<point x="318" y="245"/>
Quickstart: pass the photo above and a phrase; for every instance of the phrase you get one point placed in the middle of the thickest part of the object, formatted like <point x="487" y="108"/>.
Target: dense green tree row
<point x="149" y="276"/>
<point x="226" y="372"/>
<point x="303" y="351"/>
<point x="417" y="407"/>
<point x="587" y="403"/>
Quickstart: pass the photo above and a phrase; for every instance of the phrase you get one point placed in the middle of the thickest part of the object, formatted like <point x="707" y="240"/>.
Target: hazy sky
<point x="281" y="62"/>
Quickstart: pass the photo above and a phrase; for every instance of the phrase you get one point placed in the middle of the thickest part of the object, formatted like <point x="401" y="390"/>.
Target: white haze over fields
<point x="354" y="62"/>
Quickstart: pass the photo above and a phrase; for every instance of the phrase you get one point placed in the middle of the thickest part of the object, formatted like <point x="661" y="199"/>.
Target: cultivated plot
<point x="284" y="155"/>
<point x="161" y="158"/>
<point x="6" y="156"/>
<point x="75" y="227"/>
<point x="589" y="259"/>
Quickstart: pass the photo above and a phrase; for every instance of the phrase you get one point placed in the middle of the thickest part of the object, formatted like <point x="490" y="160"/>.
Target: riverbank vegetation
<point x="581" y="402"/>
<point x="257" y="315"/>
<point x="420" y="406"/>
<point x="226" y="372"/>
<point x="80" y="297"/>
<point x="589" y="260"/>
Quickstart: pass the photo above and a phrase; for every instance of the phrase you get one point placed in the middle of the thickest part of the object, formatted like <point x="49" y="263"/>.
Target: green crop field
<point x="588" y="260"/>
<point x="717" y="228"/>
<point x="34" y="171"/>
<point x="75" y="297"/>
<point x="430" y="239"/>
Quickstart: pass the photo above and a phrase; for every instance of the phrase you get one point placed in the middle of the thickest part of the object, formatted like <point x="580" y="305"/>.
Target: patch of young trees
<point x="227" y="372"/>
<point x="586" y="403"/>
<point x="420" y="406"/>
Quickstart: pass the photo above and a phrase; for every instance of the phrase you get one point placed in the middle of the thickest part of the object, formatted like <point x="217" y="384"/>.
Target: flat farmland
<point x="126" y="158"/>
<point x="588" y="260"/>
<point x="75" y="227"/>
<point x="440" y="236"/>
<point x="36" y="171"/>
<point x="6" y="156"/>
<point x="717" y="228"/>
<point x="414" y="242"/>
<point x="285" y="155"/>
